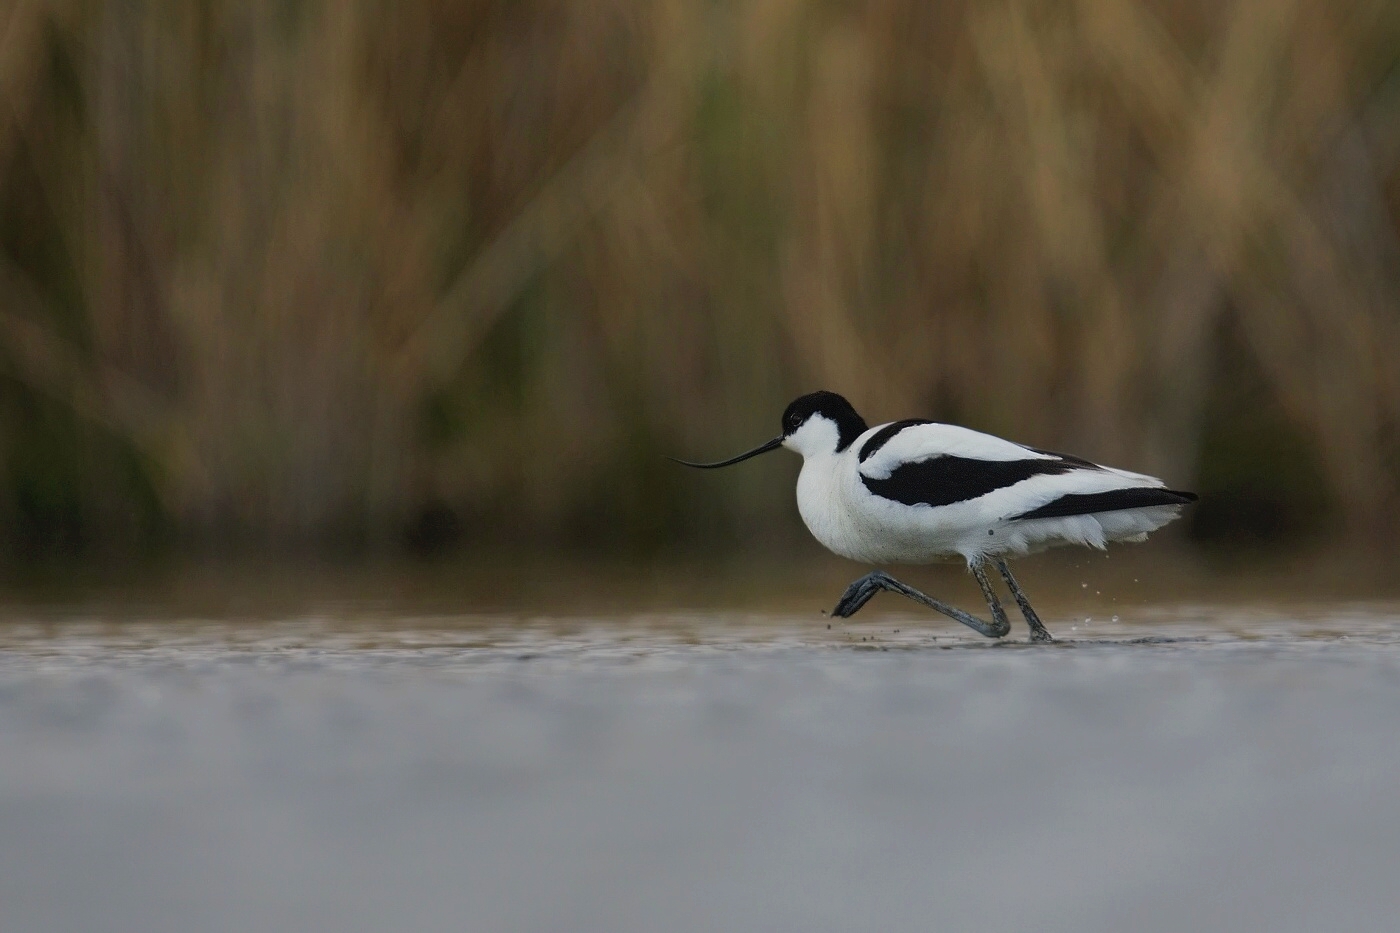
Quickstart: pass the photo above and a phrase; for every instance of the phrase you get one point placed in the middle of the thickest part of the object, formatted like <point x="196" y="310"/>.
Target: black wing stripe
<point x="946" y="480"/>
<point x="1137" y="497"/>
<point x="882" y="436"/>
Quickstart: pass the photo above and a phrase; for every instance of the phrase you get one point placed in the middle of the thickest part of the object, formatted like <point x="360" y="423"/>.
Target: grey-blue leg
<point x="860" y="592"/>
<point x="994" y="604"/>
<point x="1038" y="631"/>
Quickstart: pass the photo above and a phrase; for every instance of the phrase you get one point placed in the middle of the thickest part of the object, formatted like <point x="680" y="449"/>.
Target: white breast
<point x="822" y="503"/>
<point x="842" y="514"/>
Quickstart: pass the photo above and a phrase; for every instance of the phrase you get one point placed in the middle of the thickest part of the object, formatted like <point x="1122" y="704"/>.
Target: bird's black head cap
<point x="829" y="405"/>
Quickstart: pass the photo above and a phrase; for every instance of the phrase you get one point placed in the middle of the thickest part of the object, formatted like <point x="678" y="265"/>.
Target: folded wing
<point x="923" y="463"/>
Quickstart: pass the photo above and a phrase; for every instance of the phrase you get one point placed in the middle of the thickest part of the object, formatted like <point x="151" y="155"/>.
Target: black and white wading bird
<point x="915" y="492"/>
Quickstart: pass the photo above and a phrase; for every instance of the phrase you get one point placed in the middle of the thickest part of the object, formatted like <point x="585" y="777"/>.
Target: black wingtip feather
<point x="1134" y="497"/>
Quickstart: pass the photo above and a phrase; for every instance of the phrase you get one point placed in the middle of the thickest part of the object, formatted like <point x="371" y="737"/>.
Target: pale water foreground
<point x="1193" y="768"/>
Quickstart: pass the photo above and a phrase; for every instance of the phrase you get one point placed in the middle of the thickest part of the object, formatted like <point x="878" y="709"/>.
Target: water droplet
<point x="1083" y="586"/>
<point x="1115" y="618"/>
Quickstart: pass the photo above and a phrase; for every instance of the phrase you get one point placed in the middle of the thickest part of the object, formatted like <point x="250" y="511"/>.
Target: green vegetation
<point x="328" y="274"/>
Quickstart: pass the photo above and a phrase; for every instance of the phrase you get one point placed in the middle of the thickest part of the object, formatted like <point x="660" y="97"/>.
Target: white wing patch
<point x="926" y="441"/>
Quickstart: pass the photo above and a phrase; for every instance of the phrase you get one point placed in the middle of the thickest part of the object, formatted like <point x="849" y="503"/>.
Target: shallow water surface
<point x="1199" y="767"/>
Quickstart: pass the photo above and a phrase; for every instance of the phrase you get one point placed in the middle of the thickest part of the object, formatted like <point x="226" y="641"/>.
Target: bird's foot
<point x="859" y="593"/>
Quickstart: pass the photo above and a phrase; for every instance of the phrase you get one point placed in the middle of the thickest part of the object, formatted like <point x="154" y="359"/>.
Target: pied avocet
<point x="914" y="492"/>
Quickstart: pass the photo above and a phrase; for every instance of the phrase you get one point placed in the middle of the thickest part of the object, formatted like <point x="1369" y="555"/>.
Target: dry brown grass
<point x="281" y="271"/>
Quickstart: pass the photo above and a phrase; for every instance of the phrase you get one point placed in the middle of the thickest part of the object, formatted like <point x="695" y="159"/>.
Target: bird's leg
<point x="994" y="604"/>
<point x="860" y="592"/>
<point x="1038" y="631"/>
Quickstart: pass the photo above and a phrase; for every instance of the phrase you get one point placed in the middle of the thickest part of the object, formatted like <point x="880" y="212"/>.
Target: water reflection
<point x="369" y="639"/>
<point x="1186" y="767"/>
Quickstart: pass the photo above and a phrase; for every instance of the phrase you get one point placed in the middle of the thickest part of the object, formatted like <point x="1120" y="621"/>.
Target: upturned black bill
<point x="771" y="445"/>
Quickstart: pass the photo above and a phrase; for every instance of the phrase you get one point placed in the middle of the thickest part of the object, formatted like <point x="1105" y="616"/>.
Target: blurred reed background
<point x="361" y="274"/>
